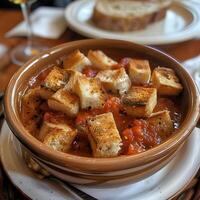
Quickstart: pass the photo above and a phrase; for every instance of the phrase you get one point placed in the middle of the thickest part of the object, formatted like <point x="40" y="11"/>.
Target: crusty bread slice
<point x="128" y="15"/>
<point x="140" y="101"/>
<point x="103" y="135"/>
<point x="116" y="81"/>
<point x="166" y="81"/>
<point x="65" y="102"/>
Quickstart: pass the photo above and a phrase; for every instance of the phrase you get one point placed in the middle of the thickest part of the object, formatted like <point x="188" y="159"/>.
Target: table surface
<point x="9" y="18"/>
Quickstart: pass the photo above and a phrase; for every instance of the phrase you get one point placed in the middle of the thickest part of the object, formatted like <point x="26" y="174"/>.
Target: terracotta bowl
<point x="120" y="169"/>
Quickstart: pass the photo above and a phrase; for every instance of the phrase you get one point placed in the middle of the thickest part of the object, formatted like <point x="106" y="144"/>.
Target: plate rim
<point x="4" y="126"/>
<point x="190" y="32"/>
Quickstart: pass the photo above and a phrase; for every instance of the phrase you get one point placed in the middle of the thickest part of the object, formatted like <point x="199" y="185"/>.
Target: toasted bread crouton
<point x="161" y="122"/>
<point x="76" y="61"/>
<point x="56" y="79"/>
<point x="166" y="81"/>
<point x="73" y="77"/>
<point x="139" y="71"/>
<point x="65" y="102"/>
<point x="53" y="121"/>
<point x="140" y="101"/>
<point x="90" y="92"/>
<point x="116" y="80"/>
<point x="100" y="60"/>
<point x="59" y="139"/>
<point x="30" y="110"/>
<point x="128" y="15"/>
<point x="103" y="135"/>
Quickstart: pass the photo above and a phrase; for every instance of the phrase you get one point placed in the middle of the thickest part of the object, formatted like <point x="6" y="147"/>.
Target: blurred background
<point x="57" y="3"/>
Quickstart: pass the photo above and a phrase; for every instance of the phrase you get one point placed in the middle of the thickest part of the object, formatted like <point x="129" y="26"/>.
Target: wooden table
<point x="8" y="19"/>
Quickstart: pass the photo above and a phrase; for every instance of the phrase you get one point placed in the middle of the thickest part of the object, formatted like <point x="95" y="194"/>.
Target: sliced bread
<point x="128" y="15"/>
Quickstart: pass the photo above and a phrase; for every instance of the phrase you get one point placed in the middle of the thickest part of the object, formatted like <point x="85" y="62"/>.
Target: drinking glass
<point x="23" y="52"/>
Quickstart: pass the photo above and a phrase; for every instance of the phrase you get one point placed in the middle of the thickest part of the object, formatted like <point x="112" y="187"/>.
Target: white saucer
<point x="181" y="23"/>
<point x="162" y="185"/>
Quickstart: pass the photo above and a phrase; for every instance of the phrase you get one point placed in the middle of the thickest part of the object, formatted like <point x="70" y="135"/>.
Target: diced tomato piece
<point x="138" y="128"/>
<point x="137" y="122"/>
<point x="112" y="105"/>
<point x="82" y="117"/>
<point x="138" y="132"/>
<point x="90" y="72"/>
<point x="127" y="139"/>
<point x="127" y="135"/>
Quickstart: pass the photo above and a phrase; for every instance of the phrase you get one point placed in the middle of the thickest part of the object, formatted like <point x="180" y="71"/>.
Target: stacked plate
<point x="181" y="23"/>
<point x="164" y="184"/>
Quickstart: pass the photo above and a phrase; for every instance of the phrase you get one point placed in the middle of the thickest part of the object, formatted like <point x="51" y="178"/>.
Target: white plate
<point x="162" y="185"/>
<point x="182" y="22"/>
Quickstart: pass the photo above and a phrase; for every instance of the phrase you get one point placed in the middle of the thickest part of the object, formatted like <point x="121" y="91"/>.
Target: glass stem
<point x="26" y="14"/>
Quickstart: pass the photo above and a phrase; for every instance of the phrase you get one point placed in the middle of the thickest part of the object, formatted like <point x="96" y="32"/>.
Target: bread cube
<point x="140" y="101"/>
<point x="65" y="102"/>
<point x="161" y="122"/>
<point x="30" y="110"/>
<point x="73" y="77"/>
<point x="53" y="121"/>
<point x="116" y="81"/>
<point x="76" y="61"/>
<point x="166" y="81"/>
<point x="100" y="60"/>
<point x="103" y="135"/>
<point x="59" y="139"/>
<point x="139" y="71"/>
<point x="56" y="79"/>
<point x="31" y="101"/>
<point x="90" y="92"/>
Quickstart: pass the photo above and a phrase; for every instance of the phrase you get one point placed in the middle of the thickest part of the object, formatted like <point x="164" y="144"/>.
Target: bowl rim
<point x="64" y="159"/>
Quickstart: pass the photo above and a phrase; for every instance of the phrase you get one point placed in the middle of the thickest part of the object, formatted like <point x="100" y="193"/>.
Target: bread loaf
<point x="128" y="15"/>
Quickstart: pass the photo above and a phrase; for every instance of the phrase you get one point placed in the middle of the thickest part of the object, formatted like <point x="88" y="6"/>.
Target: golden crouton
<point x="65" y="102"/>
<point x="73" y="77"/>
<point x="139" y="71"/>
<point x="30" y="110"/>
<point x="59" y="139"/>
<point x="76" y="61"/>
<point x="166" y="81"/>
<point x="56" y="79"/>
<point x="103" y="135"/>
<point x="52" y="121"/>
<point x="100" y="60"/>
<point x="161" y="122"/>
<point x="140" y="101"/>
<point x="90" y="92"/>
<point x="116" y="81"/>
